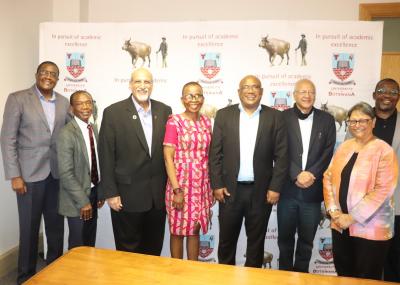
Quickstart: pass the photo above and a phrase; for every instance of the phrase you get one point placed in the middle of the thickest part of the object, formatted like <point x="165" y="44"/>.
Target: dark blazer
<point x="126" y="168"/>
<point x="74" y="168"/>
<point x="270" y="160"/>
<point x="322" y="143"/>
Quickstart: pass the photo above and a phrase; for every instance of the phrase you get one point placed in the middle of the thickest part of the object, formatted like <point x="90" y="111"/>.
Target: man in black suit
<point x="248" y="165"/>
<point x="132" y="167"/>
<point x="311" y="140"/>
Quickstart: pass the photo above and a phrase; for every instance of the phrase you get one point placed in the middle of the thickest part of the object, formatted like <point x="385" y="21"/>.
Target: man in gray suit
<point x="78" y="167"/>
<point x="32" y="121"/>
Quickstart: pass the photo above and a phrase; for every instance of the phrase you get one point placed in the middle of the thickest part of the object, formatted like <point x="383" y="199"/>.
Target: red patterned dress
<point x="191" y="140"/>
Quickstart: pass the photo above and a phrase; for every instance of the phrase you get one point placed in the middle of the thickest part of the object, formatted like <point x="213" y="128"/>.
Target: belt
<point x="245" y="182"/>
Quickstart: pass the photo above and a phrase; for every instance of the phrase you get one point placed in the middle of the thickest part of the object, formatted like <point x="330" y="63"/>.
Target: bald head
<point x="252" y="78"/>
<point x="141" y="72"/>
<point x="302" y="82"/>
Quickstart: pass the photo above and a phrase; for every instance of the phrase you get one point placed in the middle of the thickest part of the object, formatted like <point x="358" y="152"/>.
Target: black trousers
<point x="41" y="198"/>
<point x="139" y="232"/>
<point x="358" y="257"/>
<point x="83" y="233"/>
<point x="391" y="270"/>
<point x="231" y="214"/>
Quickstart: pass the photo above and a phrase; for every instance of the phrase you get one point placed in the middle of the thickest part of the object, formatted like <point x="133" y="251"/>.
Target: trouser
<point x="41" y="198"/>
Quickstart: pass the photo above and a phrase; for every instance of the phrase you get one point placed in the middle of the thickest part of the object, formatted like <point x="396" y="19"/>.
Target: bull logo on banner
<point x="206" y="247"/>
<point x="210" y="64"/>
<point x="342" y="65"/>
<point x="75" y="63"/>
<point x="325" y="248"/>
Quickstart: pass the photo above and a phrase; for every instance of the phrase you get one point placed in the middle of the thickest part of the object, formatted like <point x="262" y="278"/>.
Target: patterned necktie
<point x="94" y="175"/>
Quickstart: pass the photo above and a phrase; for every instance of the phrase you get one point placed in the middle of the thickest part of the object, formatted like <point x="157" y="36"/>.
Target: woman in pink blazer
<point x="358" y="190"/>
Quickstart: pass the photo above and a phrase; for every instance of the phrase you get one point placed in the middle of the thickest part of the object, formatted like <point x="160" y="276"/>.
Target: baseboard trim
<point x="8" y="260"/>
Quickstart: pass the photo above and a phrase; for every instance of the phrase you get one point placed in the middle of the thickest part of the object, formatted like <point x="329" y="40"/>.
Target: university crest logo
<point x="281" y="100"/>
<point x="325" y="248"/>
<point x="210" y="64"/>
<point x="342" y="65"/>
<point x="206" y="245"/>
<point x="75" y="63"/>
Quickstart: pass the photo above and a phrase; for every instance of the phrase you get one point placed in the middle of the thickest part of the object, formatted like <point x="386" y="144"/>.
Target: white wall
<point x="19" y="25"/>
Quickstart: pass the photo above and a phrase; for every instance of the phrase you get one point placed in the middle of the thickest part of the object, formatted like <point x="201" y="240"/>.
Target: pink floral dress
<point x="191" y="140"/>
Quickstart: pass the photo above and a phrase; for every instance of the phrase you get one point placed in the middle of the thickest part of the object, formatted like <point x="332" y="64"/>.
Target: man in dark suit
<point x="32" y="121"/>
<point x="311" y="140"/>
<point x="79" y="177"/>
<point x="248" y="165"/>
<point x="132" y="167"/>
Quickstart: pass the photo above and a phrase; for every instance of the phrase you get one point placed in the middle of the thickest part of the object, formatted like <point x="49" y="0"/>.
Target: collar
<point x="139" y="108"/>
<point x="41" y="97"/>
<point x="300" y="114"/>
<point x="256" y="112"/>
<point x="81" y="123"/>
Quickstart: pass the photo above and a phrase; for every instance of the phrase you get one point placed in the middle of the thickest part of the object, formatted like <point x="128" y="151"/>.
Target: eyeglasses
<point x="191" y="97"/>
<point x="250" y="87"/>
<point x="382" y="91"/>
<point x="361" y="122"/>
<point x="48" y="73"/>
<point x="304" y="92"/>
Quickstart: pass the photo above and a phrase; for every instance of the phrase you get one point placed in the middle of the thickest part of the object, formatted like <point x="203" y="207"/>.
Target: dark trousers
<point x="83" y="233"/>
<point x="231" y="214"/>
<point x="139" y="232"/>
<point x="358" y="257"/>
<point x="391" y="270"/>
<point x="301" y="217"/>
<point x="41" y="198"/>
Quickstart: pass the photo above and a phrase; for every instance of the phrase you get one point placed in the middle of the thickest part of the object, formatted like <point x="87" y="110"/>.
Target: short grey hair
<point x="364" y="108"/>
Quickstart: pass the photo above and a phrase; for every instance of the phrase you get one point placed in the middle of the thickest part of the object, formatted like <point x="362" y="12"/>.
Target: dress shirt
<point x="147" y="122"/>
<point x="49" y="108"/>
<point x="248" y="127"/>
<point x="85" y="132"/>
<point x="305" y="130"/>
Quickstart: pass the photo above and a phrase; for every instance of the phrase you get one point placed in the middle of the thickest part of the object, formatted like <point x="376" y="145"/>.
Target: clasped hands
<point x="271" y="197"/>
<point x="341" y="220"/>
<point x="305" y="179"/>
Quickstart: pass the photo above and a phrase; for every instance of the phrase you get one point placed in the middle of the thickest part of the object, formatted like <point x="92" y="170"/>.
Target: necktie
<point x="94" y="175"/>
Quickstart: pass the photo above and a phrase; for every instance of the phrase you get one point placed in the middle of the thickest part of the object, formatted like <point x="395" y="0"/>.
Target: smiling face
<point x="192" y="98"/>
<point x="304" y="95"/>
<point x="361" y="125"/>
<point x="82" y="105"/>
<point x="46" y="78"/>
<point x="250" y="93"/>
<point x="386" y="96"/>
<point x="141" y="85"/>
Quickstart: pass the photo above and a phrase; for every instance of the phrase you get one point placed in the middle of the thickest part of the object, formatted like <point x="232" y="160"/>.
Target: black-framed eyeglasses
<point x="360" y="122"/>
<point x="392" y="92"/>
<point x="191" y="97"/>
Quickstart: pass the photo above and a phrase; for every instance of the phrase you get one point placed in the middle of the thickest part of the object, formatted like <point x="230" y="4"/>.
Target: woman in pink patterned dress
<point x="188" y="196"/>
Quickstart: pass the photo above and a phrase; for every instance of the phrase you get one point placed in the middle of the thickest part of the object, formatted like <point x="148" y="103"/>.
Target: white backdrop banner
<point x="341" y="58"/>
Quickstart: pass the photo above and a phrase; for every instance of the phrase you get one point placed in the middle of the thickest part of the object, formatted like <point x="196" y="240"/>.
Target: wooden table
<point x="86" y="265"/>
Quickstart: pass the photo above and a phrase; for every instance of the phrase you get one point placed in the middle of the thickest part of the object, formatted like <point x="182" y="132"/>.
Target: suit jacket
<point x="127" y="169"/>
<point x="74" y="169"/>
<point x="270" y="161"/>
<point x="27" y="144"/>
<point x="322" y="143"/>
<point x="371" y="186"/>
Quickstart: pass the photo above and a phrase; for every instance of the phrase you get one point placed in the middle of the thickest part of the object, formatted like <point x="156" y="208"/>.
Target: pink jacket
<point x="372" y="183"/>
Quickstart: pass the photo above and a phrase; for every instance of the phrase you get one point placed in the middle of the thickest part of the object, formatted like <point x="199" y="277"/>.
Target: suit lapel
<point x="236" y="133"/>
<point x="137" y="125"/>
<point x="157" y="127"/>
<point x="58" y="110"/>
<point x="261" y="123"/>
<point x="38" y="105"/>
<point x="315" y="130"/>
<point x="81" y="140"/>
<point x="295" y="128"/>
